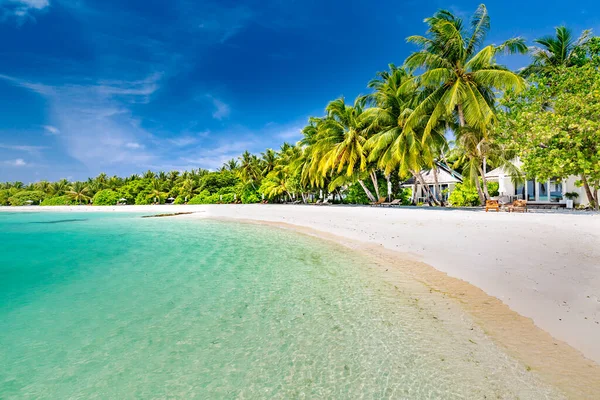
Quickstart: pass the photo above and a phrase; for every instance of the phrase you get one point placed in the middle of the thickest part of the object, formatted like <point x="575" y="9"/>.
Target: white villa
<point x="447" y="179"/>
<point x="542" y="193"/>
<point x="550" y="192"/>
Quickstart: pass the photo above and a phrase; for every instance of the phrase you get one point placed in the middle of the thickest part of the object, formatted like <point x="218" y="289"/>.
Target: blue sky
<point x="123" y="86"/>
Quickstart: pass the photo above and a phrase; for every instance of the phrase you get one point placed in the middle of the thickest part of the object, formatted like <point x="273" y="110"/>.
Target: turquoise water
<point x="116" y="306"/>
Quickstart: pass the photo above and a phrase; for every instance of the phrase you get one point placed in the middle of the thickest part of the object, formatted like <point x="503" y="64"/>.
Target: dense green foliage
<point x="57" y="201"/>
<point x="465" y="194"/>
<point x="548" y="115"/>
<point x="106" y="197"/>
<point x="25" y="197"/>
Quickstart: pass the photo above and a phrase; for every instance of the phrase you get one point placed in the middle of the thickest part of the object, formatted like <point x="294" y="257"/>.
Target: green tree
<point x="556" y="124"/>
<point x="560" y="50"/>
<point x="79" y="192"/>
<point x="106" y="197"/>
<point x="462" y="75"/>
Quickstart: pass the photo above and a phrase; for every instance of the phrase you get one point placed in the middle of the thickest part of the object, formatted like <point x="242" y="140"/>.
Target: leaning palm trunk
<point x="419" y="178"/>
<point x="479" y="191"/>
<point x="439" y="200"/>
<point x="373" y="175"/>
<point x="367" y="191"/>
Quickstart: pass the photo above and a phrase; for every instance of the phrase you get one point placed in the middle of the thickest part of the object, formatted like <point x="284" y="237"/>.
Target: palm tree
<point x="342" y="139"/>
<point x="561" y="50"/>
<point x="148" y="175"/>
<point x="156" y="190"/>
<point x="44" y="186"/>
<point x="231" y="165"/>
<point x="60" y="188"/>
<point x="269" y="157"/>
<point x="188" y="188"/>
<point x="391" y="146"/>
<point x="102" y="179"/>
<point x="462" y="75"/>
<point x="249" y="169"/>
<point x="79" y="191"/>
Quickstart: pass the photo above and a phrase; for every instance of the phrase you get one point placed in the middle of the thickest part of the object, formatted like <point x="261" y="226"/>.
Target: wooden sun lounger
<point x="518" y="206"/>
<point x="395" y="202"/>
<point x="378" y="203"/>
<point x="493" y="205"/>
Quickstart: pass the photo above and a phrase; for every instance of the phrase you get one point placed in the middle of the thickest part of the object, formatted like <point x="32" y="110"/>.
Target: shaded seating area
<point x="492" y="205"/>
<point x="378" y="202"/>
<point x="396" y="202"/>
<point x="518" y="206"/>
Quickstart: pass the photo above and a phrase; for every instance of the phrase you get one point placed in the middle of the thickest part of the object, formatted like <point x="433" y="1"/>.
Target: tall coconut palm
<point x="345" y="127"/>
<point x="156" y="190"/>
<point x="268" y="160"/>
<point x="59" y="188"/>
<point x="78" y="192"/>
<point x="560" y="50"/>
<point x="231" y="165"/>
<point x="44" y="186"/>
<point x="461" y="73"/>
<point x="249" y="169"/>
<point x="188" y="188"/>
<point x="391" y="146"/>
<point x="102" y="180"/>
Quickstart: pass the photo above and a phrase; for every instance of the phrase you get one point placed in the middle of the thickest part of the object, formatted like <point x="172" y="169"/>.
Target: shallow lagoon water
<point x="116" y="306"/>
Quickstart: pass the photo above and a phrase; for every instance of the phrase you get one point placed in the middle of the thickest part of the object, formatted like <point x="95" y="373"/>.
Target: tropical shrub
<point x="21" y="198"/>
<point x="4" y="195"/>
<point x="205" y="198"/>
<point x="106" y="197"/>
<point x="57" y="201"/>
<point x="143" y="198"/>
<point x="132" y="189"/>
<point x="179" y="200"/>
<point x="464" y="195"/>
<point x="250" y="198"/>
<point x="493" y="189"/>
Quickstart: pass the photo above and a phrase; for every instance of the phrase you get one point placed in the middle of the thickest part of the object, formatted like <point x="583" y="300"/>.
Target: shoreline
<point x="374" y="231"/>
<point x="555" y="362"/>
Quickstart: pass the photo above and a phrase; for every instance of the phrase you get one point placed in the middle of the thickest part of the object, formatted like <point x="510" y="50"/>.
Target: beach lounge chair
<point x="493" y="205"/>
<point x="395" y="202"/>
<point x="378" y="203"/>
<point x="318" y="203"/>
<point x="518" y="206"/>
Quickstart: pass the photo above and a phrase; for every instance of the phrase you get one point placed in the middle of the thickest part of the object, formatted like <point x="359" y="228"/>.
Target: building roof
<point x="446" y="175"/>
<point x="495" y="173"/>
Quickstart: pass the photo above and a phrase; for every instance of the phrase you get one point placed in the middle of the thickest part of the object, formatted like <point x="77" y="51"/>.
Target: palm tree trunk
<point x="438" y="192"/>
<point x="479" y="191"/>
<point x="461" y="116"/>
<point x="414" y="193"/>
<point x="373" y="175"/>
<point x="367" y="191"/>
<point x="421" y="181"/>
<point x="485" y="188"/>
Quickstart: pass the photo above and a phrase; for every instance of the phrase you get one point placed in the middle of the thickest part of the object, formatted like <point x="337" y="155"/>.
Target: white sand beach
<point x="544" y="266"/>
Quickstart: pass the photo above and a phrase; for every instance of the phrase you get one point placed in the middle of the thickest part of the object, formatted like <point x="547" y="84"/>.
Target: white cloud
<point x="222" y="110"/>
<point x="226" y="22"/>
<point x="52" y="130"/>
<point x="96" y="124"/>
<point x="22" y="9"/>
<point x="25" y="148"/>
<point x="19" y="162"/>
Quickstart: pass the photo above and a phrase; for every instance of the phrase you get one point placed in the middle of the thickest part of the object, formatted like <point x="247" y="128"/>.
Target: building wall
<point x="507" y="187"/>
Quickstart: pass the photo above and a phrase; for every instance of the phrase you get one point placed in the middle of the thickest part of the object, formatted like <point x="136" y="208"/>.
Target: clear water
<point x="116" y="306"/>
